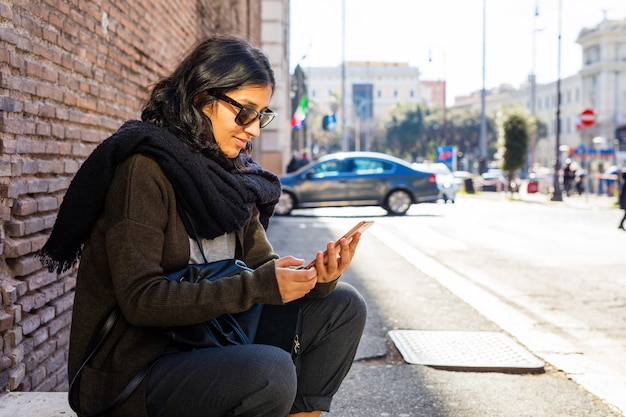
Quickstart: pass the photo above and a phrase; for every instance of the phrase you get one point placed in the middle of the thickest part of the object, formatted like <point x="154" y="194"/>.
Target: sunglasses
<point x="247" y="114"/>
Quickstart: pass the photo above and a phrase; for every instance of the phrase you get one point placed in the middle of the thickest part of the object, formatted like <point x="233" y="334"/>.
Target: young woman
<point x="122" y="216"/>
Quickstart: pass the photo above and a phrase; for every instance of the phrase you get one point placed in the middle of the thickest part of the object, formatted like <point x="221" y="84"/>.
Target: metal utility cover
<point x="467" y="351"/>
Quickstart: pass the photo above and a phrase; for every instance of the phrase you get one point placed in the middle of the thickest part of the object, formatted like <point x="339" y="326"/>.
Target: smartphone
<point x="360" y="227"/>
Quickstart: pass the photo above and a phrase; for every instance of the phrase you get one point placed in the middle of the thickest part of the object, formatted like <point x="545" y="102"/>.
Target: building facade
<point x="599" y="86"/>
<point x="372" y="91"/>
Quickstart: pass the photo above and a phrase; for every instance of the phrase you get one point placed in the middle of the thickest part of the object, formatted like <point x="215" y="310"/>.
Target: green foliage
<point x="405" y="131"/>
<point x="415" y="132"/>
<point x="463" y="131"/>
<point x="515" y="131"/>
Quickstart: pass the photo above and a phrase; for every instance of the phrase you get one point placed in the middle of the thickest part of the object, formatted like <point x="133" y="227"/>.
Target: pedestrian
<point x="569" y="174"/>
<point x="294" y="162"/>
<point x="622" y="198"/>
<point x="305" y="157"/>
<point x="303" y="161"/>
<point x="121" y="216"/>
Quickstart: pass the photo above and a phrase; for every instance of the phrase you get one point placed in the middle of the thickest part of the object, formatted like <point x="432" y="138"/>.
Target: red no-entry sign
<point x="587" y="117"/>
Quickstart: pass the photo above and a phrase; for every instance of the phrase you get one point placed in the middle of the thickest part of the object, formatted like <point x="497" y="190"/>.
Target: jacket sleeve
<point x="145" y="238"/>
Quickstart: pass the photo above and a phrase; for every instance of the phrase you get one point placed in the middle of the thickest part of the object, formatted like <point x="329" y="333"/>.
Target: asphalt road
<point x="547" y="275"/>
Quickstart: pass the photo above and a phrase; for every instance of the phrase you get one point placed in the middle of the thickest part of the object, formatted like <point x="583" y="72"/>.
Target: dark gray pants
<point x="261" y="380"/>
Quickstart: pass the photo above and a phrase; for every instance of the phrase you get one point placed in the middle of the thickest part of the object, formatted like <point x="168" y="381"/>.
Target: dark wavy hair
<point x="214" y="66"/>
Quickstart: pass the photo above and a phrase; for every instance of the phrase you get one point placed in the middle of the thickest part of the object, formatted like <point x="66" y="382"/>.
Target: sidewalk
<point x="585" y="200"/>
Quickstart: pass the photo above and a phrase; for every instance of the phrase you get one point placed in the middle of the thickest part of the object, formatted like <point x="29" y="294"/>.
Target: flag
<point x="300" y="114"/>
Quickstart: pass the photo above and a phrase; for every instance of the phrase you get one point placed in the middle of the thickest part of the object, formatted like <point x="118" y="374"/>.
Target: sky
<point x="444" y="38"/>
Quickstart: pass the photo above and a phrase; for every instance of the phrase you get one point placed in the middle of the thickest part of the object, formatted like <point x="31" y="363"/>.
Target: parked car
<point x="357" y="179"/>
<point x="464" y="181"/>
<point x="492" y="181"/>
<point x="446" y="182"/>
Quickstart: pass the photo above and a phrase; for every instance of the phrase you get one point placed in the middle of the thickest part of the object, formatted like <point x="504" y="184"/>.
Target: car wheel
<point x="285" y="204"/>
<point x="398" y="203"/>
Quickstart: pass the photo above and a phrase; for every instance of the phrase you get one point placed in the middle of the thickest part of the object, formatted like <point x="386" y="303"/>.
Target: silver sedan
<point x="357" y="179"/>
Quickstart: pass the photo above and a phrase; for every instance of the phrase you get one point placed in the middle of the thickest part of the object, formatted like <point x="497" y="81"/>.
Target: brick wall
<point x="70" y="73"/>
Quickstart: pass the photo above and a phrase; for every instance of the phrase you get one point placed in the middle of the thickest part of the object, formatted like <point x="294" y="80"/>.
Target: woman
<point x="122" y="216"/>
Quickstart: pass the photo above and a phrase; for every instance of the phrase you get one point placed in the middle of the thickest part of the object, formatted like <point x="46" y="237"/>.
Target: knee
<point x="284" y="380"/>
<point x="271" y="383"/>
<point x="279" y="372"/>
<point x="354" y="303"/>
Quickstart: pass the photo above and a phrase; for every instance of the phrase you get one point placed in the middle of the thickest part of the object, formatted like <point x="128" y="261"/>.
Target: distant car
<point x="464" y="180"/>
<point x="461" y="176"/>
<point x="446" y="182"/>
<point x="492" y="181"/>
<point x="357" y="179"/>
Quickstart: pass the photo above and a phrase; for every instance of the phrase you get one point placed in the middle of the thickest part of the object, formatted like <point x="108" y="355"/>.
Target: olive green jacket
<point x="137" y="239"/>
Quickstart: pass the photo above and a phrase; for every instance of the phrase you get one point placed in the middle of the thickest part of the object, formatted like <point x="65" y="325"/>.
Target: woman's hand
<point x="294" y="283"/>
<point x="330" y="267"/>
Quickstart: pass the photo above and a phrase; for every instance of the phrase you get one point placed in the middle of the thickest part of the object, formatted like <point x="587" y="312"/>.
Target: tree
<point x="515" y="135"/>
<point x="414" y="132"/>
<point x="405" y="132"/>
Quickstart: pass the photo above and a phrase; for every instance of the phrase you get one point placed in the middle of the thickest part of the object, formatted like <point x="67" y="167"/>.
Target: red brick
<point x="5" y="362"/>
<point x="16" y="247"/>
<point x="6" y="12"/>
<point x="61" y="322"/>
<point x="51" y="292"/>
<point x="6" y="321"/>
<point x="29" y="323"/>
<point x="13" y="337"/>
<point x="39" y="336"/>
<point x="37" y="281"/>
<point x="47" y="204"/>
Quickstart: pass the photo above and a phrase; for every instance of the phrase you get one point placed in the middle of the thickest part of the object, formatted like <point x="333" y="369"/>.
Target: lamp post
<point x="344" y="98"/>
<point x="557" y="195"/>
<point x="483" y="121"/>
<point x="530" y="157"/>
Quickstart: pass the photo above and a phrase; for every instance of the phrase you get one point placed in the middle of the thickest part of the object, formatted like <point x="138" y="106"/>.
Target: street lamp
<point x="344" y="98"/>
<point x="557" y="195"/>
<point x="482" y="144"/>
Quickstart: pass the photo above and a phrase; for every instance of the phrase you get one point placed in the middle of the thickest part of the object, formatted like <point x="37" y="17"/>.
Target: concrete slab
<point x="35" y="404"/>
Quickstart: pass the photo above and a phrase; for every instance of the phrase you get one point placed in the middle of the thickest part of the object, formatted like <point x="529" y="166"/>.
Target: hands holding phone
<point x="295" y="281"/>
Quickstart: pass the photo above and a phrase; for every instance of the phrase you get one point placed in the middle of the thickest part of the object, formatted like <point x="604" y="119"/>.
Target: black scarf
<point x="219" y="199"/>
